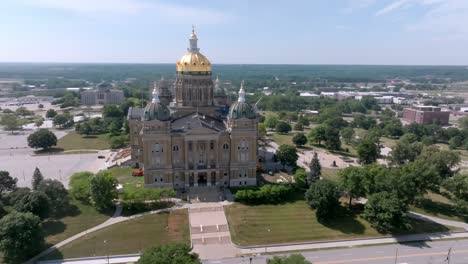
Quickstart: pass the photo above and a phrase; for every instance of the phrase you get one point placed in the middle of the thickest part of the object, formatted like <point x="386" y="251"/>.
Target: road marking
<point x="443" y="253"/>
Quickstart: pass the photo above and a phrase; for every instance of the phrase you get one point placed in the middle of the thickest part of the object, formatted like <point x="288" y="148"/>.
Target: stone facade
<point x="102" y="96"/>
<point x="195" y="145"/>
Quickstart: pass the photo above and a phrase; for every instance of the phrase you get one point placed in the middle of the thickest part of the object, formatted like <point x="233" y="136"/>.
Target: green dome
<point x="241" y="110"/>
<point x="155" y="110"/>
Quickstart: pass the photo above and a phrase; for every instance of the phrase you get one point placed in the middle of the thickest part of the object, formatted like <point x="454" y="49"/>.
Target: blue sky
<point x="427" y="32"/>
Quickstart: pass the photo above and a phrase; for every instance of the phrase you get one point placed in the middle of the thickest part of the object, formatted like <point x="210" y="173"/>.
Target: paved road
<point x="412" y="253"/>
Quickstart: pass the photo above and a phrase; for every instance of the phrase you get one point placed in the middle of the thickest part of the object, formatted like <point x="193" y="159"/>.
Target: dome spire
<point x="241" y="93"/>
<point x="193" y="41"/>
<point x="155" y="96"/>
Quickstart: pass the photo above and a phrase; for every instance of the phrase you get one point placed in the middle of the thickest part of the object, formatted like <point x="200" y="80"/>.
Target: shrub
<point x="80" y="186"/>
<point x="266" y="194"/>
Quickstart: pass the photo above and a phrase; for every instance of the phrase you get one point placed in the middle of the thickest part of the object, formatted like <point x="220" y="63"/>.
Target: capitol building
<point x="185" y="140"/>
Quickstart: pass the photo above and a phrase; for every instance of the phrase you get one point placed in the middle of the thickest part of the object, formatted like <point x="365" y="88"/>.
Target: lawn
<point x="73" y="141"/>
<point x="295" y="222"/>
<point x="124" y="176"/>
<point x="330" y="174"/>
<point x="80" y="218"/>
<point x="439" y="206"/>
<point x="129" y="237"/>
<point x="281" y="139"/>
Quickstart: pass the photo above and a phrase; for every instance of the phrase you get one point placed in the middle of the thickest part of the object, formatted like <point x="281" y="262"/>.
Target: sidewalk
<point x="352" y="243"/>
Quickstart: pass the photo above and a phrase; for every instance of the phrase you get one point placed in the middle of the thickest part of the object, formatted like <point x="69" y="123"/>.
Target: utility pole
<point x="448" y="256"/>
<point x="396" y="255"/>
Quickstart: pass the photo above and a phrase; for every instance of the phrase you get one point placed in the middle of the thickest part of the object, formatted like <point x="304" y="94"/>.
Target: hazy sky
<point x="240" y="31"/>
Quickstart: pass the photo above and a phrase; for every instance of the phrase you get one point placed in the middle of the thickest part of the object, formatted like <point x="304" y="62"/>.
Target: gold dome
<point x="193" y="60"/>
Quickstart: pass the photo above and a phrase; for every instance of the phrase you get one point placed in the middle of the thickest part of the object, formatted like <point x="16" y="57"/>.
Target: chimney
<point x="188" y="125"/>
<point x="212" y="124"/>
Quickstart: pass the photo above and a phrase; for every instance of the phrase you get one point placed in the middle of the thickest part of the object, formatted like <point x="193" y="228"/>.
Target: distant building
<point x="384" y="99"/>
<point x="103" y="95"/>
<point x="426" y="115"/>
<point x="308" y="94"/>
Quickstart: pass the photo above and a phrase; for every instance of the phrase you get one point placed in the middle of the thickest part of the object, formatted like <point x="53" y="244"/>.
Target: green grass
<point x="388" y="142"/>
<point x="73" y="141"/>
<point x="281" y="139"/>
<point x="129" y="237"/>
<point x="80" y="218"/>
<point x="438" y="206"/>
<point x="124" y="176"/>
<point x="295" y="222"/>
<point x="330" y="174"/>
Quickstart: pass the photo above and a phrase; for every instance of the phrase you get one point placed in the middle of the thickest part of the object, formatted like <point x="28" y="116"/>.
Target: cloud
<point x="355" y="5"/>
<point x="392" y="7"/>
<point x="114" y="8"/>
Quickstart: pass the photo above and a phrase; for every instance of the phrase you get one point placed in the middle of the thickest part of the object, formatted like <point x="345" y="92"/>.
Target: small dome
<point x="241" y="110"/>
<point x="155" y="110"/>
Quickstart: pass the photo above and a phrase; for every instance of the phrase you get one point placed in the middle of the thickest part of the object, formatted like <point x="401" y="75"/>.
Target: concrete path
<point x="438" y="220"/>
<point x="209" y="231"/>
<point x="352" y="243"/>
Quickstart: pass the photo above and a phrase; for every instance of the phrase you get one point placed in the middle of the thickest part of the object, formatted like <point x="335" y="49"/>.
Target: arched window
<point x="225" y="146"/>
<point x="175" y="148"/>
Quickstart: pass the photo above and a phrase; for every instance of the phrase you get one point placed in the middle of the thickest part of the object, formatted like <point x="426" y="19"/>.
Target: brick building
<point x="426" y="115"/>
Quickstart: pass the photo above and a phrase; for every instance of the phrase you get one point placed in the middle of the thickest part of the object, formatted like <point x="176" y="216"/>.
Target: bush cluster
<point x="264" y="194"/>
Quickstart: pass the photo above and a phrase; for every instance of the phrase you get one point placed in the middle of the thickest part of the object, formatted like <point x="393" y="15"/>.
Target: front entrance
<point x="213" y="178"/>
<point x="202" y="179"/>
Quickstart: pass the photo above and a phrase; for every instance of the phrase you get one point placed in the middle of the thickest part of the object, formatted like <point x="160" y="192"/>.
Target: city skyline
<point x="393" y="32"/>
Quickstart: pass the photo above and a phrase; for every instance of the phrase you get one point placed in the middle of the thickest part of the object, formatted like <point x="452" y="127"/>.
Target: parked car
<point x="101" y="157"/>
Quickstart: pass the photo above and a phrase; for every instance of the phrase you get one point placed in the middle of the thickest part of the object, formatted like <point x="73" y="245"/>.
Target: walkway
<point x="209" y="231"/>
<point x="438" y="220"/>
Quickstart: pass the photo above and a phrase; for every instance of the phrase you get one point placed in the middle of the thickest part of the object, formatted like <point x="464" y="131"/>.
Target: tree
<point x="261" y="130"/>
<point x="34" y="202"/>
<point x="51" y="113"/>
<point x="57" y="194"/>
<point x="169" y="254"/>
<point x="409" y="138"/>
<point x="118" y="141"/>
<point x="39" y="122"/>
<point x="37" y="178"/>
<point x="10" y="122"/>
<point x="347" y="134"/>
<point x="291" y="259"/>
<point x="271" y="121"/>
<point x="3" y="212"/>
<point x="332" y="138"/>
<point x="352" y="182"/>
<point x="63" y="121"/>
<point x="282" y="127"/>
<point x="317" y="134"/>
<point x="300" y="178"/>
<point x="404" y="152"/>
<point x="113" y="111"/>
<point x="323" y="196"/>
<point x="21" y="237"/>
<point x="85" y="129"/>
<point x="7" y="183"/>
<point x="80" y="186"/>
<point x="23" y="111"/>
<point x="443" y="160"/>
<point x="287" y="155"/>
<point x="298" y="127"/>
<point x="455" y="142"/>
<point x="463" y="122"/>
<point x="103" y="190"/>
<point x="386" y="212"/>
<point x="299" y="139"/>
<point x="368" y="151"/>
<point x="42" y="138"/>
<point x="458" y="186"/>
<point x="315" y="169"/>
